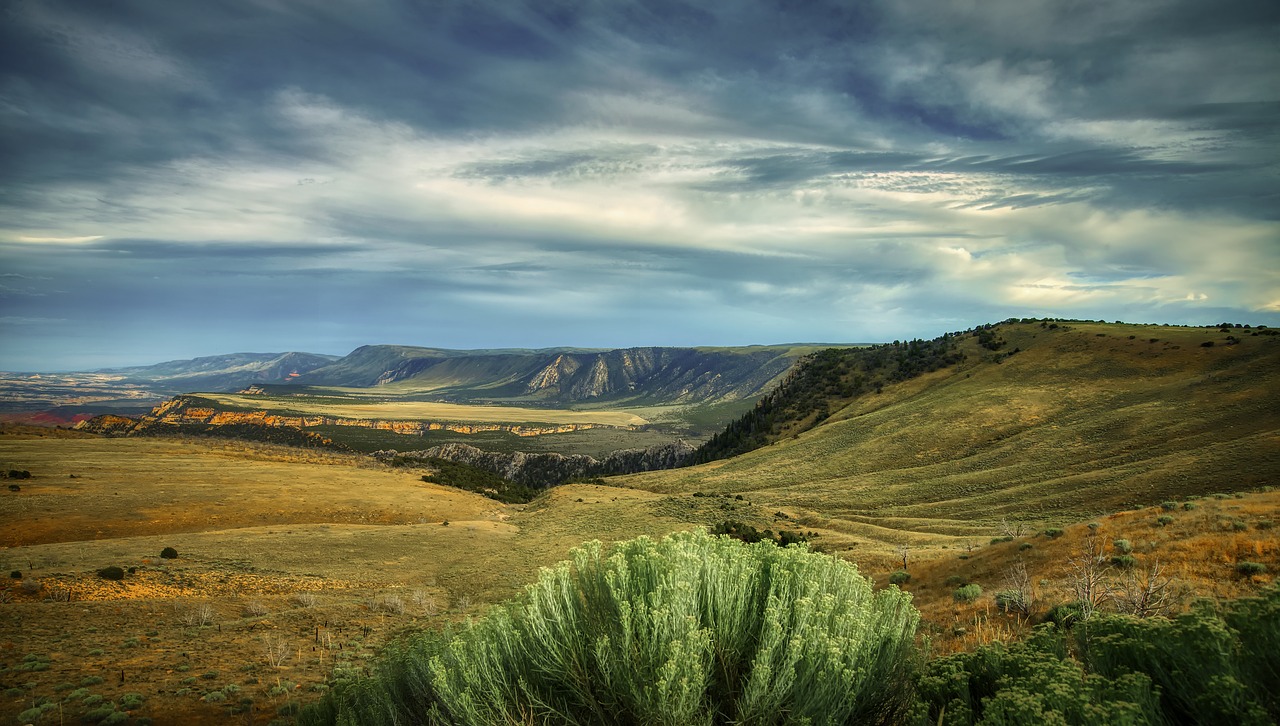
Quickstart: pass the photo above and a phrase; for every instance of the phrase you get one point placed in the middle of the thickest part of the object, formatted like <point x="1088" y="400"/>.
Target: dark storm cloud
<point x="484" y="173"/>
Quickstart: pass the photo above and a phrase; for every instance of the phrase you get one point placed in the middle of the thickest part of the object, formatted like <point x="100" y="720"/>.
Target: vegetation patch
<point x="473" y="479"/>
<point x="692" y="629"/>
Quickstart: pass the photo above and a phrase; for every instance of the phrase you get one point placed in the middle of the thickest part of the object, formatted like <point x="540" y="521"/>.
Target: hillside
<point x="1058" y="423"/>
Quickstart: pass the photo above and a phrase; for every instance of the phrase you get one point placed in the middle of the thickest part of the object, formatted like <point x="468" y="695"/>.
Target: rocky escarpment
<point x="186" y="411"/>
<point x="541" y="470"/>
<point x="651" y="374"/>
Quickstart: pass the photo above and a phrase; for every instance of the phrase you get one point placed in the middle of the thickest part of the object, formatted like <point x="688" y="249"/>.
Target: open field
<point x="423" y="410"/>
<point x="299" y="563"/>
<point x="261" y="532"/>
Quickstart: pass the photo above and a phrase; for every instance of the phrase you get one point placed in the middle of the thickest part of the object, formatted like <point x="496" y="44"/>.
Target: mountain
<point x="563" y="375"/>
<point x="1041" y="421"/>
<point x="217" y="372"/>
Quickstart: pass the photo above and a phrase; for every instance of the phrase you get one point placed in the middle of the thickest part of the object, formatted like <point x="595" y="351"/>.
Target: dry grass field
<point x="423" y="410"/>
<point x="291" y="563"/>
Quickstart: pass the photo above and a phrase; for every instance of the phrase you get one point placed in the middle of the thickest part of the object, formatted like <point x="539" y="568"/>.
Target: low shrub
<point x="899" y="577"/>
<point x="168" y="553"/>
<point x="1012" y="601"/>
<point x="955" y="580"/>
<point x="1188" y="506"/>
<point x="130" y="701"/>
<point x="1123" y="546"/>
<point x="1032" y="682"/>
<point x="967" y="593"/>
<point x="1124" y="562"/>
<point x="692" y="629"/>
<point x="1053" y="532"/>
<point x="1249" y="569"/>
<point x="1168" y="506"/>
<point x="1164" y="519"/>
<point x="111" y="573"/>
<point x="1025" y="546"/>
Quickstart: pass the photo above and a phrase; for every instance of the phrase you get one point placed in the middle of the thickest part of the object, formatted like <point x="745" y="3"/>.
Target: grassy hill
<point x="1060" y="422"/>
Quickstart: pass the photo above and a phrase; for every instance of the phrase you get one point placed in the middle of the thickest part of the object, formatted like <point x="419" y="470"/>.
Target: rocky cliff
<point x="541" y="470"/>
<point x="186" y="411"/>
<point x="650" y="374"/>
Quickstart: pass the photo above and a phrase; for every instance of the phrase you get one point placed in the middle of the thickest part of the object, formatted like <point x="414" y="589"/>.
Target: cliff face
<point x="543" y="470"/>
<point x="108" y="425"/>
<point x="660" y="375"/>
<point x="190" y="410"/>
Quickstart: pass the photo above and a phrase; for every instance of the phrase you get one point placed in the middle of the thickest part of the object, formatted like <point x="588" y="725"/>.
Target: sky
<point x="182" y="179"/>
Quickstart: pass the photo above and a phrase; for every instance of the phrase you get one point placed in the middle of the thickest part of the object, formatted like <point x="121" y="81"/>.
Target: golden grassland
<point x="260" y="531"/>
<point x="424" y="410"/>
<point x="1078" y="424"/>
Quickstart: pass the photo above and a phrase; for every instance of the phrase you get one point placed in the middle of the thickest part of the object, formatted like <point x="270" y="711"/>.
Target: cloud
<point x="536" y="173"/>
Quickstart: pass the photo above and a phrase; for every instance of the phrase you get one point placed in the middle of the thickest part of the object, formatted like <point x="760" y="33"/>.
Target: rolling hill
<point x="1040" y="422"/>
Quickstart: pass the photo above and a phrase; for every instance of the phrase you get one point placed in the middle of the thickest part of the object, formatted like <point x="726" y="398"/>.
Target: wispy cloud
<point x="643" y="172"/>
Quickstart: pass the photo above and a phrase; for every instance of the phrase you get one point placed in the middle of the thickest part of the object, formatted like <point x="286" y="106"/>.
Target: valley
<point x="296" y="566"/>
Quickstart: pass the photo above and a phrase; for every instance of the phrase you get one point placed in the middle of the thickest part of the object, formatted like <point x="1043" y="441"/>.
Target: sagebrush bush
<point x="689" y="630"/>
<point x="899" y="577"/>
<point x="1032" y="682"/>
<point x="967" y="593"/>
<point x="1249" y="569"/>
<point x="1210" y="666"/>
<point x="1123" y="546"/>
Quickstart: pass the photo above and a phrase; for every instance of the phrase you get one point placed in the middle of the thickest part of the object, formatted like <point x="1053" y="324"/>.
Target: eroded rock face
<point x="186" y="411"/>
<point x="542" y="470"/>
<point x="108" y="425"/>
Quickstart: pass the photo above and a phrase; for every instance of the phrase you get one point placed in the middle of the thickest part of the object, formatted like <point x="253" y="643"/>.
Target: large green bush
<point x="1032" y="682"/>
<point x="687" y="631"/>
<point x="1208" y="666"/>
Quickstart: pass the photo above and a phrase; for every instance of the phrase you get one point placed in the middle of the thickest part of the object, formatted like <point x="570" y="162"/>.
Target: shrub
<point x="1164" y="519"/>
<point x="1188" y="506"/>
<point x="899" y="577"/>
<point x="16" y="575"/>
<point x="1123" y="546"/>
<point x="1012" y="601"/>
<point x="692" y="629"/>
<point x="1126" y="562"/>
<point x="955" y="581"/>
<point x="1063" y="615"/>
<point x="1206" y="671"/>
<point x="130" y="701"/>
<point x="1032" y="682"/>
<point x="1249" y="569"/>
<point x="168" y="553"/>
<point x="1025" y="546"/>
<point x="1168" y="506"/>
<point x="967" y="593"/>
<point x="1053" y="532"/>
<point x="111" y="573"/>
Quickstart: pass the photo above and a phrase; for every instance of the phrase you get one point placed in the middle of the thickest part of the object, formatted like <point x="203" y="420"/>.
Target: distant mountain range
<point x="559" y="376"/>
<point x="545" y="377"/>
<point x="219" y="372"/>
